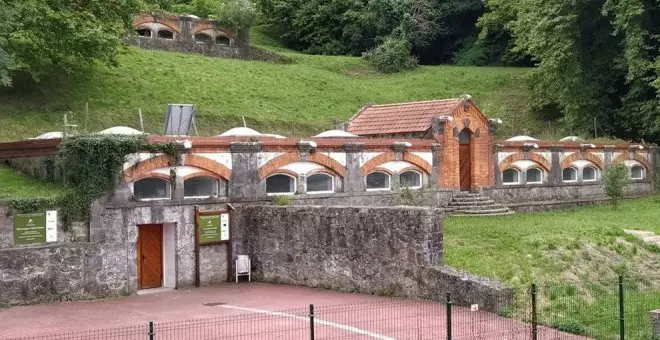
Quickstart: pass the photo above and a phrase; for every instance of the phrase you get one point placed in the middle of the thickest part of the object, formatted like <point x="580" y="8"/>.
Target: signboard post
<point x="29" y="228"/>
<point x="51" y="226"/>
<point x="211" y="227"/>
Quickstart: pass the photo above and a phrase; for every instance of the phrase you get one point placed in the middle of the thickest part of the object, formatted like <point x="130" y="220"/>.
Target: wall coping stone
<point x="247" y="147"/>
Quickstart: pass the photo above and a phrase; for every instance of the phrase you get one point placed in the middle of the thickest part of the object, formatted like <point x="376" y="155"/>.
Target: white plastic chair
<point x="243" y="267"/>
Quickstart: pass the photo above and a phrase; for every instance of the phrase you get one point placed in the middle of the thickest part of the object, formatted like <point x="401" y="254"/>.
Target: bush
<point x="281" y="200"/>
<point x="393" y="55"/>
<point x="614" y="180"/>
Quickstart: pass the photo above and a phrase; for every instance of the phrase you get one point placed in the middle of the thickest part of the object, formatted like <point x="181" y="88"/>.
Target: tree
<point x="237" y="14"/>
<point x="614" y="181"/>
<point x="40" y="37"/>
<point x="595" y="59"/>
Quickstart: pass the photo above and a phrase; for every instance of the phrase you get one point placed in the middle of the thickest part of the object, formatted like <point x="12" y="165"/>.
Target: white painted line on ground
<point x="316" y="321"/>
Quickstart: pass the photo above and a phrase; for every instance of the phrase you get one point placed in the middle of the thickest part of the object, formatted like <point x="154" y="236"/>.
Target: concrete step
<point x="467" y="194"/>
<point x="470" y="199"/>
<point x="471" y="203"/>
<point x="479" y="207"/>
<point x="510" y="212"/>
<point x="482" y="211"/>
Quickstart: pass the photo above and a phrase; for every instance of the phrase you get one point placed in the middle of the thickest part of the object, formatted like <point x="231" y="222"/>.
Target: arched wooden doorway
<point x="465" y="159"/>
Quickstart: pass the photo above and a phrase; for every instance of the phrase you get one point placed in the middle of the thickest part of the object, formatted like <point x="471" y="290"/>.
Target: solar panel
<point x="180" y="119"/>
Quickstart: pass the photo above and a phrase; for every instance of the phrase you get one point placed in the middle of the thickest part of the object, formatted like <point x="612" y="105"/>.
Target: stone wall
<point x="564" y="192"/>
<point x="386" y="251"/>
<point x="655" y="322"/>
<point x="37" y="166"/>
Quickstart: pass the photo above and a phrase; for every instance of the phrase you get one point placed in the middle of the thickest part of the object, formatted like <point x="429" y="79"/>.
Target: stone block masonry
<point x="394" y="251"/>
<point x="655" y="323"/>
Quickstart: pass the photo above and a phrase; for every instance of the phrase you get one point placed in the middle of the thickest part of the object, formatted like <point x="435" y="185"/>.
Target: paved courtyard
<point x="256" y="311"/>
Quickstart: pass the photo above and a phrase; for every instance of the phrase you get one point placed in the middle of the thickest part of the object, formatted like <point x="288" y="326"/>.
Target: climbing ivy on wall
<point x="91" y="166"/>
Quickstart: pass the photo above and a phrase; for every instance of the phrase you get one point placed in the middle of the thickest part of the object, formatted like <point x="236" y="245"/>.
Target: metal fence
<point x="616" y="311"/>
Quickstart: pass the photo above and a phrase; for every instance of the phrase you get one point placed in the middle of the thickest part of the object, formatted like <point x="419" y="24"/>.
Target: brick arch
<point x="507" y="162"/>
<point x="204" y="173"/>
<point x="144" y="168"/>
<point x="170" y="24"/>
<point x="411" y="168"/>
<point x="379" y="169"/>
<point x="208" y="165"/>
<point x="578" y="156"/>
<point x="274" y="164"/>
<point x="283" y="172"/>
<point x="391" y="156"/>
<point x="624" y="156"/>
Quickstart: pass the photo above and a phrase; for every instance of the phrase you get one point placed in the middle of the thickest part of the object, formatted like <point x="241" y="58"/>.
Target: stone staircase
<point x="475" y="204"/>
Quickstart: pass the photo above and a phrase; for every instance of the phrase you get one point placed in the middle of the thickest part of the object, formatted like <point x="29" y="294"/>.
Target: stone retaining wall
<point x="655" y="323"/>
<point x="387" y="251"/>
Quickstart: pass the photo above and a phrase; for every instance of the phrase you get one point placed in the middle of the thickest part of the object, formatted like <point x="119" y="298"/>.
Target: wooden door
<point x="150" y="256"/>
<point x="465" y="160"/>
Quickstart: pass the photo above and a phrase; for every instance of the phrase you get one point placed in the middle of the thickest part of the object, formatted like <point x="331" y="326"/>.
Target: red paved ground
<point x="256" y="311"/>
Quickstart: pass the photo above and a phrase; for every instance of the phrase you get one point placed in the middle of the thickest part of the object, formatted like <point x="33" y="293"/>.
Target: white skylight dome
<point x="571" y="139"/>
<point x="335" y="133"/>
<point x="49" y="135"/>
<point x="521" y="139"/>
<point x="120" y="130"/>
<point x="272" y="135"/>
<point x="240" y="132"/>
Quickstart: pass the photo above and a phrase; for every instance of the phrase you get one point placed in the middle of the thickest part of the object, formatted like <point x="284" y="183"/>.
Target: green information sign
<point x="209" y="229"/>
<point x="30" y="228"/>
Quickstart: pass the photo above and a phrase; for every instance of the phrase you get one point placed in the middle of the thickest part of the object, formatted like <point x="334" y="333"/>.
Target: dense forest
<point x="593" y="60"/>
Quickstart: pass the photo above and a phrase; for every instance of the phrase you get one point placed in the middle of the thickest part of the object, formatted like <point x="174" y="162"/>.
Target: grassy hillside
<point x="297" y="99"/>
<point x="16" y="185"/>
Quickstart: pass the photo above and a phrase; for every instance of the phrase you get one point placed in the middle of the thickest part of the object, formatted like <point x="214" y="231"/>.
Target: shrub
<point x="281" y="200"/>
<point x="614" y="180"/>
<point x="393" y="55"/>
<point x="570" y="326"/>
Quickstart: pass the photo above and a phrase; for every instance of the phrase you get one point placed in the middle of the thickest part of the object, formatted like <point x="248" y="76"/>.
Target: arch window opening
<point x="222" y="40"/>
<point x="410" y="179"/>
<point x="152" y="189"/>
<point x="203" y="38"/>
<point x="280" y="184"/>
<point x="198" y="187"/>
<point x="569" y="175"/>
<point x="378" y="181"/>
<point x="511" y="176"/>
<point x="589" y="174"/>
<point x="165" y="34"/>
<point x="637" y="172"/>
<point x="534" y="176"/>
<point x="144" y="32"/>
<point x="320" y="183"/>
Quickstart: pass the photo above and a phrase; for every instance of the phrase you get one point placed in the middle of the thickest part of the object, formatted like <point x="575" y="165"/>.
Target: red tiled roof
<point x="400" y="118"/>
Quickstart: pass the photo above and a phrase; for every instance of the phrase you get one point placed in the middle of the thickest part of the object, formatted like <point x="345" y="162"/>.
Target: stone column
<point x="354" y="180"/>
<point x="608" y="150"/>
<point x="655" y="322"/>
<point x="434" y="180"/>
<point x="496" y="165"/>
<point x="177" y="186"/>
<point x="556" y="175"/>
<point x="185" y="23"/>
<point x="653" y="155"/>
<point x="245" y="181"/>
<point x="300" y="184"/>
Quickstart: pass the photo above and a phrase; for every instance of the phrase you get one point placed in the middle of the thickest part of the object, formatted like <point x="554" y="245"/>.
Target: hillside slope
<point x="297" y="99"/>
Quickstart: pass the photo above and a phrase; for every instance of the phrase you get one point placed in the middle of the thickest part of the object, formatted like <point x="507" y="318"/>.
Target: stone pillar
<point x="177" y="186"/>
<point x="496" y="165"/>
<point x="185" y="23"/>
<point x="608" y="150"/>
<point x="245" y="181"/>
<point x="300" y="184"/>
<point x="354" y="180"/>
<point x="653" y="155"/>
<point x="396" y="182"/>
<point x="655" y="323"/>
<point x="434" y="180"/>
<point x="556" y="175"/>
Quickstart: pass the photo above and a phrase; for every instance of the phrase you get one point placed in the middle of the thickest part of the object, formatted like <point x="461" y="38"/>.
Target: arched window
<point x="569" y="175"/>
<point x="200" y="187"/>
<point x="534" y="176"/>
<point x="511" y="176"/>
<point x="222" y="40"/>
<point x="410" y="179"/>
<point x="165" y="34"/>
<point x="144" y="32"/>
<point x="280" y="184"/>
<point x="151" y="189"/>
<point x="320" y="183"/>
<point x="378" y="181"/>
<point x="203" y="38"/>
<point x="637" y="172"/>
<point x="589" y="174"/>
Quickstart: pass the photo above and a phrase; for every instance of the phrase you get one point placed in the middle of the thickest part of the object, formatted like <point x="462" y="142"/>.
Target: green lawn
<point x="15" y="185"/>
<point x="575" y="256"/>
<point x="297" y="99"/>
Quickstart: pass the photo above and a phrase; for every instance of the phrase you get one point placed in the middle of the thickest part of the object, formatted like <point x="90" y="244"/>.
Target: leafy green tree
<point x="595" y="59"/>
<point x="40" y="37"/>
<point x="237" y="14"/>
<point x="393" y="55"/>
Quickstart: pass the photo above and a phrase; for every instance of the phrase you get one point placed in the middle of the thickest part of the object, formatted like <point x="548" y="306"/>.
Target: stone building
<point x="442" y="148"/>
